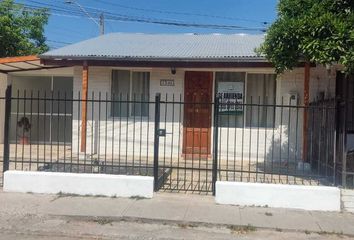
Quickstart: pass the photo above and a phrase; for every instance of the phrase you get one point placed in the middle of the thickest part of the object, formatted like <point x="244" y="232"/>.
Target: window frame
<point x="244" y="125"/>
<point x="246" y="102"/>
<point x="131" y="71"/>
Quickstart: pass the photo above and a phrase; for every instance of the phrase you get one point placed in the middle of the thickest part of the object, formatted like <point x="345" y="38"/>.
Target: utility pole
<point x="99" y="24"/>
<point x="102" y="24"/>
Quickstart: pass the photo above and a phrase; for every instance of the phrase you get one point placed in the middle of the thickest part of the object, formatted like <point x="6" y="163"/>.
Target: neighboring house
<point x="194" y="68"/>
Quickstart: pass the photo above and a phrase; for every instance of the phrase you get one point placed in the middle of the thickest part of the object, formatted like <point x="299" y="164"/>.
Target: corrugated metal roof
<point x="163" y="47"/>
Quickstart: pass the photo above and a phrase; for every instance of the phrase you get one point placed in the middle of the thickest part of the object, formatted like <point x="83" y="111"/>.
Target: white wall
<point x="313" y="198"/>
<point x="321" y="80"/>
<point x="263" y="143"/>
<point x="76" y="183"/>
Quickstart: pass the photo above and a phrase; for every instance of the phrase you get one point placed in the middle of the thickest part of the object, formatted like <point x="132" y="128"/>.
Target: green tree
<point x="21" y="29"/>
<point x="316" y="31"/>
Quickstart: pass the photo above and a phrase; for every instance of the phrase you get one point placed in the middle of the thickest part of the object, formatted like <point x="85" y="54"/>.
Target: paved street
<point x="64" y="228"/>
<point x="166" y="216"/>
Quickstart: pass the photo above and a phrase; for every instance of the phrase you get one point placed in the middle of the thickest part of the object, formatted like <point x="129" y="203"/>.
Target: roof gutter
<point x="155" y="59"/>
<point x="157" y="62"/>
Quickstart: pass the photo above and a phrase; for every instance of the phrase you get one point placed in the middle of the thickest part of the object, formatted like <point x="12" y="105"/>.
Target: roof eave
<point x="153" y="59"/>
<point x="241" y="62"/>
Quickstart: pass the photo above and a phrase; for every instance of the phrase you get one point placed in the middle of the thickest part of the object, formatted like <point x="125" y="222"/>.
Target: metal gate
<point x="176" y="168"/>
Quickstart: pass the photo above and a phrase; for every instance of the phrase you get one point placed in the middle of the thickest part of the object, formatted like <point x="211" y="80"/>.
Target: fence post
<point x="7" y="128"/>
<point x="344" y="142"/>
<point x="215" y="143"/>
<point x="156" y="141"/>
<point x="335" y="139"/>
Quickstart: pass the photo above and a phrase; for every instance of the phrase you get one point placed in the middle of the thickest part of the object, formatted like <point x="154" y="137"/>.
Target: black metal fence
<point x="279" y="143"/>
<point x="185" y="146"/>
<point x="345" y="142"/>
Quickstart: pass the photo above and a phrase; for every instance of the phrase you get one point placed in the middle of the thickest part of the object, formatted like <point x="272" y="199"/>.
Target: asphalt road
<point x="64" y="228"/>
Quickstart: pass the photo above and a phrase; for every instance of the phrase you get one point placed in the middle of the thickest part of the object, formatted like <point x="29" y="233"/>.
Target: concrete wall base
<point x="76" y="183"/>
<point x="279" y="196"/>
<point x="348" y="200"/>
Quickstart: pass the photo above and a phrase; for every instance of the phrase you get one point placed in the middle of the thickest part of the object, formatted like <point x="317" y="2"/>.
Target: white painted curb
<point x="316" y="198"/>
<point x="78" y="183"/>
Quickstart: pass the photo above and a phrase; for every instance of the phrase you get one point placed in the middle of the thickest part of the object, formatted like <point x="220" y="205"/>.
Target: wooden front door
<point x="197" y="112"/>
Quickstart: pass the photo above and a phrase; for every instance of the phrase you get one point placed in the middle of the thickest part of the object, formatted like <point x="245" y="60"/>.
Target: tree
<point x="316" y="31"/>
<point x="21" y="29"/>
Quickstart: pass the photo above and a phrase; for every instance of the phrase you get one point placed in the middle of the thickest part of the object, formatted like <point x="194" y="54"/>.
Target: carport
<point x="28" y="78"/>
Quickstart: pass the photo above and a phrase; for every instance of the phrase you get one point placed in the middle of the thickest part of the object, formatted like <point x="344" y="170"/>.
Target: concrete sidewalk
<point x="176" y="208"/>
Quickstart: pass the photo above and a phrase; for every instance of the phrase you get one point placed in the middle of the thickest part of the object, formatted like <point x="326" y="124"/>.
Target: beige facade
<point x="279" y="143"/>
<point x="255" y="141"/>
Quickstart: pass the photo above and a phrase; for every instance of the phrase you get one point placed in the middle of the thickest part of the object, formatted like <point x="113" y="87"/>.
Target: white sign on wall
<point x="167" y="82"/>
<point x="231" y="97"/>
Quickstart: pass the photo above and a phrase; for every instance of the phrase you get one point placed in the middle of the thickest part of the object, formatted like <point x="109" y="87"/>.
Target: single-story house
<point x="183" y="68"/>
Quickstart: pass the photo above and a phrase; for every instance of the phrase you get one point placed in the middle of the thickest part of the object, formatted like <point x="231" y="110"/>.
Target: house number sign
<point x="167" y="82"/>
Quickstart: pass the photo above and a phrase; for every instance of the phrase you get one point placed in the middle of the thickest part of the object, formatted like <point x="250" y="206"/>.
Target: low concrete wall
<point x="278" y="195"/>
<point x="348" y="200"/>
<point x="76" y="183"/>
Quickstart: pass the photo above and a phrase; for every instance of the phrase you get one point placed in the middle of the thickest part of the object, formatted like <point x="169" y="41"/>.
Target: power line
<point x="120" y="17"/>
<point x="59" y="42"/>
<point x="128" y="18"/>
<point x="173" y="22"/>
<point x="182" y="13"/>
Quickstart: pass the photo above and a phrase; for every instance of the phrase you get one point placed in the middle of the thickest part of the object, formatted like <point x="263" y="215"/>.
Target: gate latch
<point x="161" y="132"/>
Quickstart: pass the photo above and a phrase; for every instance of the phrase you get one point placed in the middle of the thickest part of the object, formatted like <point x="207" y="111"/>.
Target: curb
<point x="192" y="224"/>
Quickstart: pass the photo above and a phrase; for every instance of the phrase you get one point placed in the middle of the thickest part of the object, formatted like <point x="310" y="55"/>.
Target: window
<point x="140" y="93"/>
<point x="261" y="89"/>
<point x="235" y="87"/>
<point x="133" y="87"/>
<point x="229" y="84"/>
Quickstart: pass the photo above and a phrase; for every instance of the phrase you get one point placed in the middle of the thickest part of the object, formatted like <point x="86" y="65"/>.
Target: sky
<point x="65" y="26"/>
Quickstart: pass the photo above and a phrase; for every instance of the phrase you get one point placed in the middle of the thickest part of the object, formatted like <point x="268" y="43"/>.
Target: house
<point x="106" y="103"/>
<point x="182" y="65"/>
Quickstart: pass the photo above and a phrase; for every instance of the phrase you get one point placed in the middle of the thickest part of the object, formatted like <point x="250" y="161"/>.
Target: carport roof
<point x="20" y="64"/>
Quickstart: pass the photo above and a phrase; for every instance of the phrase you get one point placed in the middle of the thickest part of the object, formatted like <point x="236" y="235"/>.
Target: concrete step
<point x="348" y="192"/>
<point x="348" y="199"/>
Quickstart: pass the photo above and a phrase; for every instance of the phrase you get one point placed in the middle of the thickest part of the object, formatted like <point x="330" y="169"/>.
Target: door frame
<point x="209" y="135"/>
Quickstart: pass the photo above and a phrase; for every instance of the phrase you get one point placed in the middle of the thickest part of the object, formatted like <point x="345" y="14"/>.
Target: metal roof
<point x="21" y="64"/>
<point x="125" y="46"/>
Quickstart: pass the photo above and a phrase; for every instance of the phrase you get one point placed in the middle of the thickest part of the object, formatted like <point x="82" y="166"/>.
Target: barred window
<point x="133" y="87"/>
<point x="261" y="90"/>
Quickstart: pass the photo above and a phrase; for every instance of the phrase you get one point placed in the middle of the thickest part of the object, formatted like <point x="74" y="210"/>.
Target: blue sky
<point x="65" y="28"/>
